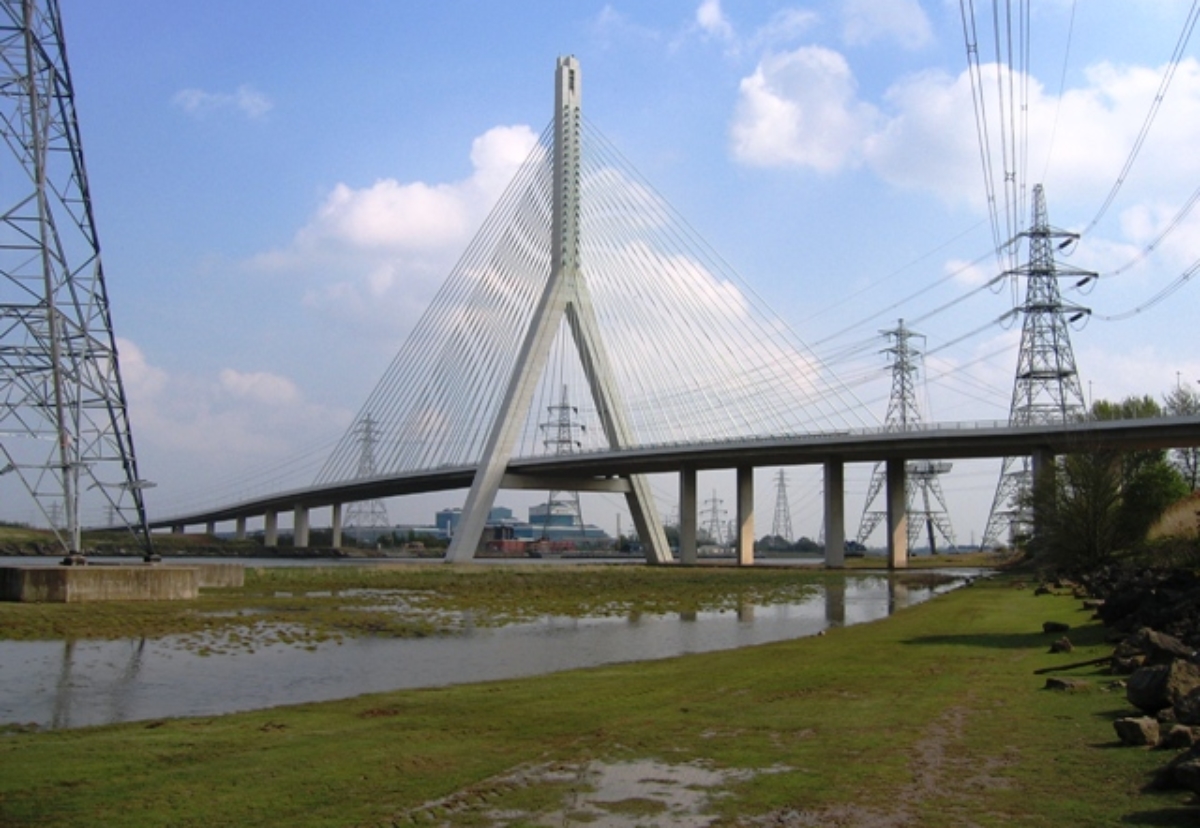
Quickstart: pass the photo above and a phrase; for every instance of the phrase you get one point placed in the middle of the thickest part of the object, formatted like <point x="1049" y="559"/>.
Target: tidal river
<point x="57" y="684"/>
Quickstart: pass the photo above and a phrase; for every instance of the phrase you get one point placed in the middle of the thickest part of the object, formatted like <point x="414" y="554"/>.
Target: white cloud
<point x="204" y="438"/>
<point x="800" y="109"/>
<point x="139" y="378"/>
<point x="712" y="20"/>
<point x="612" y="26"/>
<point x="245" y="99"/>
<point x="388" y="214"/>
<point x="868" y="21"/>
<point x="1141" y="369"/>
<point x="785" y="26"/>
<point x="259" y="387"/>
<point x="388" y="245"/>
<point x="971" y="274"/>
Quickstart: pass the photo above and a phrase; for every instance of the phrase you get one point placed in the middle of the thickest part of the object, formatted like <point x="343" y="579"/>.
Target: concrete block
<point x="217" y="574"/>
<point x="77" y="584"/>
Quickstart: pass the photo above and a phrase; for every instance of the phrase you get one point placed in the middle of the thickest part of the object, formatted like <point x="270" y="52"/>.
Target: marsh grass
<point x="305" y="606"/>
<point x="933" y="718"/>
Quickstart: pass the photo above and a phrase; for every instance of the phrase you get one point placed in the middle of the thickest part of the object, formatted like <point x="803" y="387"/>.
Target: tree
<point x="1078" y="505"/>
<point x="1181" y="402"/>
<point x="1094" y="503"/>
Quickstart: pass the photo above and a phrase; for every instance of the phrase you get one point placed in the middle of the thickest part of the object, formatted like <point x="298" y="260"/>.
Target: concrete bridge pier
<point x="835" y="514"/>
<point x="271" y="529"/>
<point x="745" y="516"/>
<point x="1042" y="473"/>
<point x="897" y="518"/>
<point x="300" y="527"/>
<point x="688" y="517"/>
<point x="239" y="531"/>
<point x="335" y="521"/>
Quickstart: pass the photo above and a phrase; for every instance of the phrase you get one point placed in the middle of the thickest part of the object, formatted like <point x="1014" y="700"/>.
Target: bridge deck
<point x="932" y="442"/>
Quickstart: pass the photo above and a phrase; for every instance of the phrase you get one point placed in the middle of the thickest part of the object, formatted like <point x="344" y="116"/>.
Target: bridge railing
<point x="816" y="436"/>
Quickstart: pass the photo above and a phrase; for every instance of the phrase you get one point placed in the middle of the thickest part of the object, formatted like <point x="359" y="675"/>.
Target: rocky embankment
<point x="1154" y="616"/>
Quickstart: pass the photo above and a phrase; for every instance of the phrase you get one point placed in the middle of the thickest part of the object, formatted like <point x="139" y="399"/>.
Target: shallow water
<point x="73" y="684"/>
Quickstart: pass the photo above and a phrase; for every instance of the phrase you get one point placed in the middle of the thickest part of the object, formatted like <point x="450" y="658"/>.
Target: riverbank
<point x="931" y="718"/>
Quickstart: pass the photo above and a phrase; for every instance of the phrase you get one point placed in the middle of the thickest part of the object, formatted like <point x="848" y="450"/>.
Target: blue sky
<point x="281" y="185"/>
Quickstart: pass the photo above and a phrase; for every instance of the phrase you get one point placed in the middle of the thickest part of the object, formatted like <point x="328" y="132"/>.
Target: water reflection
<point x="835" y="603"/>
<point x="77" y="683"/>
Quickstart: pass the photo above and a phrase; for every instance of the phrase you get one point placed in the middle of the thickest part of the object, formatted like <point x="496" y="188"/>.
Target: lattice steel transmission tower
<point x="781" y="526"/>
<point x="715" y="525"/>
<point x="64" y="425"/>
<point x="563" y="430"/>
<point x="1047" y="387"/>
<point x="367" y="514"/>
<point x="925" y="504"/>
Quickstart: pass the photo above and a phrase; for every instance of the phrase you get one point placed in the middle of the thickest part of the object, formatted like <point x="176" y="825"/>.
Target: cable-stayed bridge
<point x="583" y="276"/>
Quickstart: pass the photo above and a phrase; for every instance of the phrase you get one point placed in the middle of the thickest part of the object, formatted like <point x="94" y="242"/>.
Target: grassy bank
<point x="931" y="718"/>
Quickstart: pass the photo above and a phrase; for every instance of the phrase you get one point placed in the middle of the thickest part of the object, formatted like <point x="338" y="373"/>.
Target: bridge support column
<point x="178" y="529"/>
<point x="210" y="528"/>
<point x="688" y="516"/>
<point x="1042" y="474"/>
<point x="335" y="521"/>
<point x="745" y="516"/>
<point x="239" y="532"/>
<point x="897" y="517"/>
<point x="835" y="514"/>
<point x="300" y="527"/>
<point x="271" y="529"/>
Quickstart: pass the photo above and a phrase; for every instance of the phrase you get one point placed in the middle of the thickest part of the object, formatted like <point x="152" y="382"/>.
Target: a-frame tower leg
<point x="565" y="293"/>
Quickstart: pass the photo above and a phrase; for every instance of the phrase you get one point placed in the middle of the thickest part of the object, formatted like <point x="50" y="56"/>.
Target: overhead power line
<point x="1179" y="282"/>
<point x="1168" y="74"/>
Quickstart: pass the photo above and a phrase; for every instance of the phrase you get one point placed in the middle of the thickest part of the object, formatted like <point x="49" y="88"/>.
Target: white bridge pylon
<point x="566" y="294"/>
<point x="581" y="262"/>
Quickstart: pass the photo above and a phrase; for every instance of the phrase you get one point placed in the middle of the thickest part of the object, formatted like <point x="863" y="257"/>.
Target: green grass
<point x="932" y="718"/>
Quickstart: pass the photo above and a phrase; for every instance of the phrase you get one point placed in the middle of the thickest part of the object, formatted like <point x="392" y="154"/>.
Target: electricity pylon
<point x="781" y="526"/>
<point x="64" y="424"/>
<point x="1046" y="388"/>
<point x="367" y="514"/>
<point x="563" y="429"/>
<point x="925" y="505"/>
<point x="715" y="526"/>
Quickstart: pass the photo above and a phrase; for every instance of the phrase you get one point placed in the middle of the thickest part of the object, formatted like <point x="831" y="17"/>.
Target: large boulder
<point x="1160" y="648"/>
<point x="1179" y="736"/>
<point x="1154" y="687"/>
<point x="1140" y="730"/>
<point x="1187" y="709"/>
<point x="1185" y="772"/>
<point x="1061" y="645"/>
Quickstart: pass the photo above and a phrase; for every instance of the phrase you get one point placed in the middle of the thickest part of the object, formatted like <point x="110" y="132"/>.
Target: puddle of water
<point x="597" y="794"/>
<point x="60" y="684"/>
